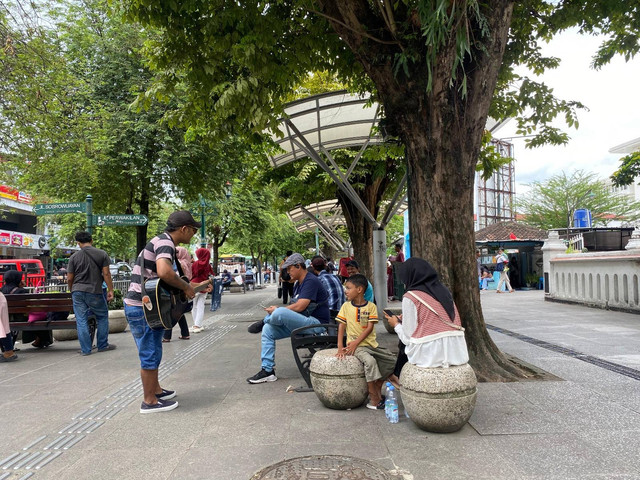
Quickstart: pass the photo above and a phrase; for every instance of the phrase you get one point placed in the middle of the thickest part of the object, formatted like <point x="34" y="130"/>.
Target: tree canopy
<point x="552" y="203"/>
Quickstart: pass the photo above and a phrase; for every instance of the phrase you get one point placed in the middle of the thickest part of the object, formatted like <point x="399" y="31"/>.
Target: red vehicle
<point x="31" y="268"/>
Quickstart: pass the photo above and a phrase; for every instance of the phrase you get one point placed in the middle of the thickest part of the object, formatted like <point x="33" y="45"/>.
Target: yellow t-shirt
<point x="356" y="319"/>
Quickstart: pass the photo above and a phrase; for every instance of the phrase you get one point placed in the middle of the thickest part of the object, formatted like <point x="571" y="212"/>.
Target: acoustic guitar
<point x="164" y="305"/>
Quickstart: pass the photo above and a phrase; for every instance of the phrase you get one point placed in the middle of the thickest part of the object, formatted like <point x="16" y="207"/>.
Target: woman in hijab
<point x="430" y="325"/>
<point x="13" y="284"/>
<point x="201" y="271"/>
<point x="184" y="258"/>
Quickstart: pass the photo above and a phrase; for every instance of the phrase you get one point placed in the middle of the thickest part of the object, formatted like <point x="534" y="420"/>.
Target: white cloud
<point x="610" y="94"/>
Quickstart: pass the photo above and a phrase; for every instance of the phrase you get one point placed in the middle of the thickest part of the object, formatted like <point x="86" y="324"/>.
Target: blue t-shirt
<point x="312" y="289"/>
<point x="368" y="294"/>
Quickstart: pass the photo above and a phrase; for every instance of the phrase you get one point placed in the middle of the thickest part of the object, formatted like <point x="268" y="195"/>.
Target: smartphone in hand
<point x="391" y="314"/>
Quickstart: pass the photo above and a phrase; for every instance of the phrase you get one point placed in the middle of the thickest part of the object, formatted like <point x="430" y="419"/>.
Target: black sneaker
<point x="263" y="376"/>
<point x="161" y="406"/>
<point x="108" y="348"/>
<point x="166" y="394"/>
<point x="256" y="327"/>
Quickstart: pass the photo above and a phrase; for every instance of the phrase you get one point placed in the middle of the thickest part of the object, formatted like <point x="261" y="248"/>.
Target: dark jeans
<point x="184" y="329"/>
<point x="6" y="343"/>
<point x="287" y="291"/>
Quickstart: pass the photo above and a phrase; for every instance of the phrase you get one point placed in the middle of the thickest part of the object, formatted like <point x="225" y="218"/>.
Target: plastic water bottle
<point x="393" y="405"/>
<point x="387" y="387"/>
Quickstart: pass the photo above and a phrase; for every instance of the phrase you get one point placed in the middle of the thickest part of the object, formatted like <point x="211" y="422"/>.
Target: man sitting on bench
<point x="309" y="308"/>
<point x="226" y="279"/>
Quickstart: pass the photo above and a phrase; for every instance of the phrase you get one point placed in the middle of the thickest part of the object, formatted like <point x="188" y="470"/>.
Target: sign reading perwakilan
<point x="101" y="220"/>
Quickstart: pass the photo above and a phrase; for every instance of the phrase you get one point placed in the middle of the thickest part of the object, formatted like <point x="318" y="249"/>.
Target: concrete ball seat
<point x="117" y="324"/>
<point x="339" y="383"/>
<point x="439" y="399"/>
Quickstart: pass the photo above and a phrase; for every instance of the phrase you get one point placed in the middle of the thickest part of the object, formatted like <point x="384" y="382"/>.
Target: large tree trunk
<point x="441" y="130"/>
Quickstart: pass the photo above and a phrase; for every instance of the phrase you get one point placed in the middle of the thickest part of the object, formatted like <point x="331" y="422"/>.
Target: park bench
<point x="305" y="345"/>
<point x="23" y="304"/>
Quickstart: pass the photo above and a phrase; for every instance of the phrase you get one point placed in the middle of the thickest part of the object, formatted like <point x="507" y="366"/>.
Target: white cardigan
<point x="442" y="351"/>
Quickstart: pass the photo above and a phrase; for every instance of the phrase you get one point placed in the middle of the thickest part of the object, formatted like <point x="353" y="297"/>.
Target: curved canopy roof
<point x="627" y="147"/>
<point x="331" y="120"/>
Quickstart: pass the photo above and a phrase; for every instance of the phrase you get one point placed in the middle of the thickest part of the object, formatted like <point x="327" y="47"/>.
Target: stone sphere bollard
<point x="439" y="399"/>
<point x="117" y="321"/>
<point x="117" y="324"/>
<point x="339" y="383"/>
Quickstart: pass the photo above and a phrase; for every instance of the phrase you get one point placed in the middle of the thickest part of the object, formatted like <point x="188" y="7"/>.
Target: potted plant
<point x="531" y="279"/>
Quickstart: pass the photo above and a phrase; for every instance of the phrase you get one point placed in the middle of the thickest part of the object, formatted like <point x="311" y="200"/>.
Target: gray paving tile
<point x="224" y="462"/>
<point x="550" y="456"/>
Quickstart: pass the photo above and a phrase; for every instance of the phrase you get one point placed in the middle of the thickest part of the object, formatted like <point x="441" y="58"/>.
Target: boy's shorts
<point x="378" y="362"/>
<point x="149" y="342"/>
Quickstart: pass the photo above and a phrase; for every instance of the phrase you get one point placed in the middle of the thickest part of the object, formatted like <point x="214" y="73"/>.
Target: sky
<point x="613" y="98"/>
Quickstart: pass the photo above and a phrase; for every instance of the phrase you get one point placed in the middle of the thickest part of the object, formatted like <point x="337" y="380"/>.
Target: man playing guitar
<point x="157" y="259"/>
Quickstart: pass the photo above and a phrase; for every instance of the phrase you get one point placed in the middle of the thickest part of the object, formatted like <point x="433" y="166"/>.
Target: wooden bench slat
<point x="35" y="303"/>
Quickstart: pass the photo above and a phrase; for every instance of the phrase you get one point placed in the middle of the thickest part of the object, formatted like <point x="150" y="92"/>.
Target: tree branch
<point x="359" y="32"/>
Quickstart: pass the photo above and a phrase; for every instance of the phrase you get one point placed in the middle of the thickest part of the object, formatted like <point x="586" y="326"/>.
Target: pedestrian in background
<point x="285" y="280"/>
<point x="331" y="283"/>
<point x="6" y="339"/>
<point x="87" y="269"/>
<point x="202" y="270"/>
<point x="184" y="258"/>
<point x="502" y="262"/>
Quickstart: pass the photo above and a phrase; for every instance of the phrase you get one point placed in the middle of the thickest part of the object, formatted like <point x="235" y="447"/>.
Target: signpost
<point x="56" y="208"/>
<point x="92" y="220"/>
<point x="122" y="220"/>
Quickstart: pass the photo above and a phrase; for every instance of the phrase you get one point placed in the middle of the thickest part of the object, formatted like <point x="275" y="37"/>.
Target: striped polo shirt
<point x="161" y="246"/>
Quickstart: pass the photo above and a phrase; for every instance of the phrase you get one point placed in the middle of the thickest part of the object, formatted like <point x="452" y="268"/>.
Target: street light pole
<point x="203" y="241"/>
<point x="228" y="188"/>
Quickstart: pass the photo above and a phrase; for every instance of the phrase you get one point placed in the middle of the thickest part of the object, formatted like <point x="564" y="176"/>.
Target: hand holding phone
<point x="389" y="313"/>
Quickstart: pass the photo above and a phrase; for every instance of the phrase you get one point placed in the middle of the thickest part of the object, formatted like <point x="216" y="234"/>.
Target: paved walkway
<point x="585" y="426"/>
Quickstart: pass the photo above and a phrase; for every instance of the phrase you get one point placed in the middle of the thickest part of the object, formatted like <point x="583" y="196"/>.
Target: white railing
<point x="605" y="279"/>
<point x="122" y="285"/>
<point x="576" y="242"/>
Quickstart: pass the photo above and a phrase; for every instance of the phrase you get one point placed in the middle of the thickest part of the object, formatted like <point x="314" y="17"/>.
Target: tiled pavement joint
<point x="24" y="462"/>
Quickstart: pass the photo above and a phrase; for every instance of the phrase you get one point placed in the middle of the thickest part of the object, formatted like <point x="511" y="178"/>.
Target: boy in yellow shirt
<point x="359" y="317"/>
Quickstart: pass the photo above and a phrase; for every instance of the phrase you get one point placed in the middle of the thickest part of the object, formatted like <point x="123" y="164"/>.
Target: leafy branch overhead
<point x="628" y="171"/>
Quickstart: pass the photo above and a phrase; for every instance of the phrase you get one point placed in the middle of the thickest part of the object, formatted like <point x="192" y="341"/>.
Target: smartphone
<point x="388" y="312"/>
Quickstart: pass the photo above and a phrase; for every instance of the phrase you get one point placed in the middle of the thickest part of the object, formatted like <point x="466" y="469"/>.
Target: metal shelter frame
<point x="314" y="126"/>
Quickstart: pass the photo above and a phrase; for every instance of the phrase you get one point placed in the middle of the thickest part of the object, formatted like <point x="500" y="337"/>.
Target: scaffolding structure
<point x="495" y="196"/>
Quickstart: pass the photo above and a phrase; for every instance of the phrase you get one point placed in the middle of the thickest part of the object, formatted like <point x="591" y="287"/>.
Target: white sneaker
<point x="196" y="329"/>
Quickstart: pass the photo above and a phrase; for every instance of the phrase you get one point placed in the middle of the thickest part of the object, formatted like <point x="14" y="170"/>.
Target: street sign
<point x="55" y="208"/>
<point x="122" y="220"/>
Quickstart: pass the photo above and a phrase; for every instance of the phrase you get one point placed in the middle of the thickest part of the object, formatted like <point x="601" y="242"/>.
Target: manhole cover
<point x="323" y="467"/>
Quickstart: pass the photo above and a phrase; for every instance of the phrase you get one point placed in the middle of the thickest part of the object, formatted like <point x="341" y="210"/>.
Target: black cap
<point x="352" y="263"/>
<point x="181" y="218"/>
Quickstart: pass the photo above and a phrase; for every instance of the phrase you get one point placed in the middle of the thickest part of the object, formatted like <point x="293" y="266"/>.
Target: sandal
<point x="184" y="338"/>
<point x="166" y="340"/>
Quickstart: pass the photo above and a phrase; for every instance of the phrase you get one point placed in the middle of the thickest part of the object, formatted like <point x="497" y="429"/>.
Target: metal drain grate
<point x="613" y="367"/>
<point x="323" y="467"/>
